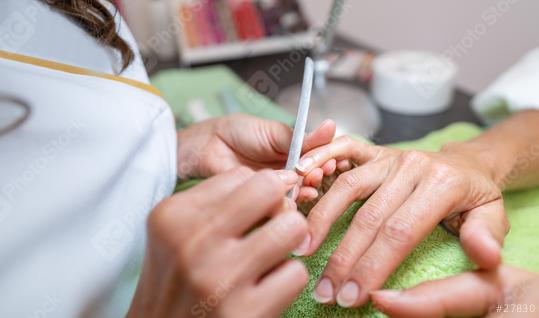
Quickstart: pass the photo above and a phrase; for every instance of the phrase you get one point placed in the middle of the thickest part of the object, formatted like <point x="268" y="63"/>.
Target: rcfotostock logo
<point x="264" y="84"/>
<point x="16" y="30"/>
<point x="111" y="240"/>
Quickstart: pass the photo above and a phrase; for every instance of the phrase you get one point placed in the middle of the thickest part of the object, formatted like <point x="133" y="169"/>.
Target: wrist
<point x="495" y="162"/>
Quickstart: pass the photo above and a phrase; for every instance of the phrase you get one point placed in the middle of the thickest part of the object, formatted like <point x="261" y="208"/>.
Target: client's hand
<point x="503" y="292"/>
<point x="210" y="254"/>
<point x="409" y="193"/>
<point x="218" y="145"/>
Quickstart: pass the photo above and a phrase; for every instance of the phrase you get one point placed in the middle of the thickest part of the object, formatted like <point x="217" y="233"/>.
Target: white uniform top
<point x="80" y="175"/>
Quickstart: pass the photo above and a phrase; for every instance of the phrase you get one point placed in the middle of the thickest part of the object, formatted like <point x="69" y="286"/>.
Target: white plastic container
<point x="413" y="82"/>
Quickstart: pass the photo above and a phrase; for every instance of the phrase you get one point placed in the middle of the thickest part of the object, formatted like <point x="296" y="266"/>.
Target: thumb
<point x="322" y="135"/>
<point x="280" y="136"/>
<point x="466" y="295"/>
<point x="483" y="232"/>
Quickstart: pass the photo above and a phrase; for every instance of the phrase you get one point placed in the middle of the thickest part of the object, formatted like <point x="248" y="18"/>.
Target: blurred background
<point x="263" y="41"/>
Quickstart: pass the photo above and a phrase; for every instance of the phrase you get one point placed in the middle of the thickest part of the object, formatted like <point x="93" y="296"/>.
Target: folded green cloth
<point x="440" y="255"/>
<point x="206" y="86"/>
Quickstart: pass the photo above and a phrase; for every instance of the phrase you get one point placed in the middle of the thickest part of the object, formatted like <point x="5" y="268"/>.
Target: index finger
<point x="341" y="148"/>
<point x="356" y="184"/>
<point x="253" y="200"/>
<point x="220" y="186"/>
<point x="400" y="234"/>
<point x="320" y="136"/>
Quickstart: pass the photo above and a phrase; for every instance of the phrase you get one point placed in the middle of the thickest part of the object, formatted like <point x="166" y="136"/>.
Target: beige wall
<point x="483" y="36"/>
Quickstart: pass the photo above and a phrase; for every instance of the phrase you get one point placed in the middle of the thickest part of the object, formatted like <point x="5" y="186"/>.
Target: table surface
<point x="394" y="127"/>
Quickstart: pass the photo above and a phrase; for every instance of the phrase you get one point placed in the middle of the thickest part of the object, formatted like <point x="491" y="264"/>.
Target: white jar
<point x="413" y="82"/>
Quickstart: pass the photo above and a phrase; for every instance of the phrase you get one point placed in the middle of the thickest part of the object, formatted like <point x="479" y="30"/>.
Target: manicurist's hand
<point x="220" y="249"/>
<point x="218" y="145"/>
<point x="408" y="193"/>
<point x="503" y="292"/>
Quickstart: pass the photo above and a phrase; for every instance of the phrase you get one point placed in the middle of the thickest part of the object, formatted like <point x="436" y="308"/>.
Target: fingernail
<point x="348" y="294"/>
<point x="323" y="292"/>
<point x="304" y="164"/>
<point x="303" y="247"/>
<point x="287" y="176"/>
<point x="324" y="122"/>
<point x="313" y="194"/>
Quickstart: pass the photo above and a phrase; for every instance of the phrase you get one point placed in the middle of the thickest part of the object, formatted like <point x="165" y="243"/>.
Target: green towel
<point x="207" y="84"/>
<point x="440" y="254"/>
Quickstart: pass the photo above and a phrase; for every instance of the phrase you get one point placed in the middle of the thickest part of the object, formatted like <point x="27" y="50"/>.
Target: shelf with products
<point x="216" y="30"/>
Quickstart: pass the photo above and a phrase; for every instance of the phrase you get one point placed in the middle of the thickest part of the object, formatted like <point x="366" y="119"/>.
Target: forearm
<point x="510" y="150"/>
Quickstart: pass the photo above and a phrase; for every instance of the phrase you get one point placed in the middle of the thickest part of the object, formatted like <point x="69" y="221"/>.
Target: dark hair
<point x="96" y="19"/>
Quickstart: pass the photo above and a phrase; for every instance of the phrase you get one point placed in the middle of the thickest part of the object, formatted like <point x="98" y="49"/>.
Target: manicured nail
<point x="324" y="122"/>
<point x="303" y="247"/>
<point x="287" y="176"/>
<point x="304" y="164"/>
<point x="323" y="292"/>
<point x="310" y="194"/>
<point x="348" y="294"/>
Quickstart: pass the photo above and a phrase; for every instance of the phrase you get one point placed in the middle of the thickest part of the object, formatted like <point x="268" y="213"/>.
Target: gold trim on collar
<point x="76" y="70"/>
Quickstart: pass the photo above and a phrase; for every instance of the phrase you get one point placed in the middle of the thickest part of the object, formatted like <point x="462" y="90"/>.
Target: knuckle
<point x="466" y="234"/>
<point x="210" y="165"/>
<point x="368" y="264"/>
<point x="398" y="231"/>
<point x="299" y="223"/>
<point x="243" y="173"/>
<point x="204" y="282"/>
<point x="317" y="214"/>
<point x="340" y="260"/>
<point x="370" y="219"/>
<point x="348" y="180"/>
<point x="290" y="227"/>
<point x="317" y="218"/>
<point x="164" y="213"/>
<point x="346" y="140"/>
<point x="414" y="157"/>
<point x="270" y="184"/>
<point x="443" y="174"/>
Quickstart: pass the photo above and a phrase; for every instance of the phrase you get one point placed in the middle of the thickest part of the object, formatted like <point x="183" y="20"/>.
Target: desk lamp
<point x="349" y="105"/>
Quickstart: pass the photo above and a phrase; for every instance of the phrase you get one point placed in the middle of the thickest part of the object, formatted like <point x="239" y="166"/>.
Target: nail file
<point x="301" y="119"/>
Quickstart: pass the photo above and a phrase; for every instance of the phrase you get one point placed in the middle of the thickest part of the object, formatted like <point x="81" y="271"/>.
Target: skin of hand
<point x="399" y="213"/>
<point x="218" y="145"/>
<point x="210" y="254"/>
<point x="472" y="294"/>
<point x="409" y="193"/>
